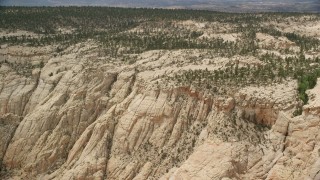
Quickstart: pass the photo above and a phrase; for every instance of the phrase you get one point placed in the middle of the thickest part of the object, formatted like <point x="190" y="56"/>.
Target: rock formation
<point x="76" y="114"/>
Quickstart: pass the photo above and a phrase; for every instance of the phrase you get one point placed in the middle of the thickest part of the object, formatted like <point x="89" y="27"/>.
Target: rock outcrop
<point x="84" y="117"/>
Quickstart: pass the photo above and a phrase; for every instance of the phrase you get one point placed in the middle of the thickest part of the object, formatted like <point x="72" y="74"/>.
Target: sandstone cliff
<point x="114" y="93"/>
<point x="81" y="117"/>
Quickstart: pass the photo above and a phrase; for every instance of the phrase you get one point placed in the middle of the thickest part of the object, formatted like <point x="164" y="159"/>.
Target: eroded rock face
<point x="81" y="117"/>
<point x="313" y="106"/>
<point x="8" y="125"/>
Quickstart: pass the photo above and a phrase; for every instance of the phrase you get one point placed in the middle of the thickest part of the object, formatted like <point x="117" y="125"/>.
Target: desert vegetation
<point x="123" y="93"/>
<point x="121" y="32"/>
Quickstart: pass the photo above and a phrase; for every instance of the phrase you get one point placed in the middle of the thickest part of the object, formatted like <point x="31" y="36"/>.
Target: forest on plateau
<point x="122" y="32"/>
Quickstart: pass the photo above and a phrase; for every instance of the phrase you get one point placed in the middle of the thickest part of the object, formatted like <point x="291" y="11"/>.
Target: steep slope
<point x="96" y="119"/>
<point x="149" y="99"/>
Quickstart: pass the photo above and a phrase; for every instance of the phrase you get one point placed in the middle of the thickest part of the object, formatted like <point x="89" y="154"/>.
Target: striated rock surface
<point x="87" y="117"/>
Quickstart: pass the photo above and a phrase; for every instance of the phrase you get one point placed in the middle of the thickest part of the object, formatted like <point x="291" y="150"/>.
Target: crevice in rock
<point x="113" y="81"/>
<point x="285" y="138"/>
<point x="109" y="146"/>
<point x="30" y="95"/>
<point x="131" y="85"/>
